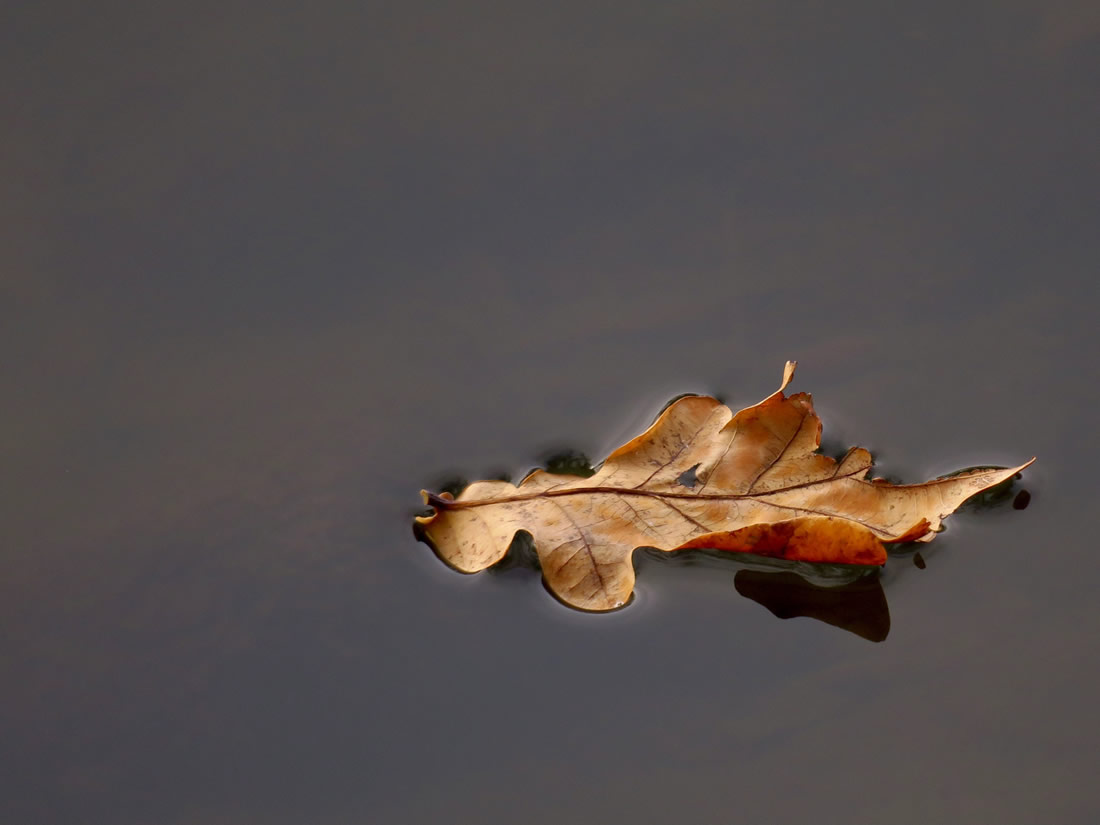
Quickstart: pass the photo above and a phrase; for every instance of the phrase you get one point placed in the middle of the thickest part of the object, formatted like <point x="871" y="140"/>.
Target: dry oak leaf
<point x="699" y="477"/>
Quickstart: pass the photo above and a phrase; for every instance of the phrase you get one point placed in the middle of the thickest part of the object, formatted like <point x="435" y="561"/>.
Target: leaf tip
<point x="788" y="374"/>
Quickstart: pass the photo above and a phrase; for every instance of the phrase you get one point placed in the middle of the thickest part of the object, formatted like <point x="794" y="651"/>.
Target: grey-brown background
<point x="268" y="269"/>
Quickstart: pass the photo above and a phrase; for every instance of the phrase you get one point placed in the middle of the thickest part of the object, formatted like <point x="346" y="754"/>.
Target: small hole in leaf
<point x="687" y="478"/>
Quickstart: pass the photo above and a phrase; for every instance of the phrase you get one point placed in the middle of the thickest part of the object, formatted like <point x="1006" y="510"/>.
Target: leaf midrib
<point x="631" y="491"/>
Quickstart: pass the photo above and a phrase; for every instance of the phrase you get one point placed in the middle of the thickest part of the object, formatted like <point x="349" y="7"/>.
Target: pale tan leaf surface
<point x="700" y="476"/>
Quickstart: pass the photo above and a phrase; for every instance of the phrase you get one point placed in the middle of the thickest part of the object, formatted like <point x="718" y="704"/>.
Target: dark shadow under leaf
<point x="859" y="607"/>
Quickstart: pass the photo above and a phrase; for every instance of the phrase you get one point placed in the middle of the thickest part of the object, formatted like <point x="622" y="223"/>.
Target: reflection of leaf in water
<point x="700" y="477"/>
<point x="859" y="607"/>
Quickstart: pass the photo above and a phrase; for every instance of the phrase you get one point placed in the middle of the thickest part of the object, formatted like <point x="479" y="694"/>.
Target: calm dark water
<point x="270" y="269"/>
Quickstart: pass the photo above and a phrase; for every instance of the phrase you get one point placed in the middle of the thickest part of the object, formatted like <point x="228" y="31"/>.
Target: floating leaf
<point x="699" y="477"/>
